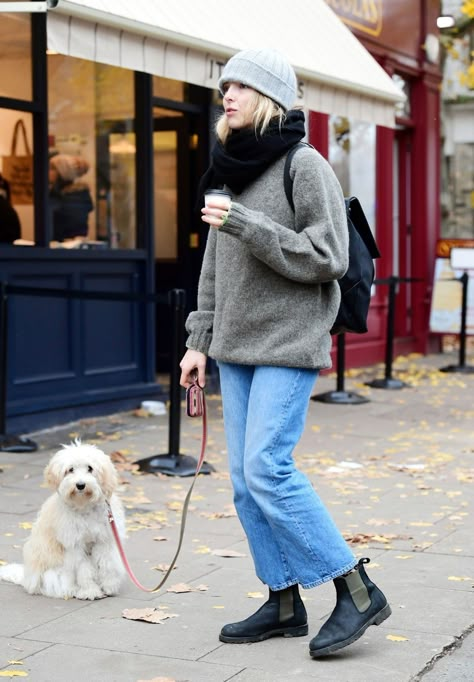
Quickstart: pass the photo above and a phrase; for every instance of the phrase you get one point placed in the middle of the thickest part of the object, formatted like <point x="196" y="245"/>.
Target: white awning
<point x="190" y="40"/>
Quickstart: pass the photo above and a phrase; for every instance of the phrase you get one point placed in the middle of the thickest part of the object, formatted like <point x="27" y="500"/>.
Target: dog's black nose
<point x="80" y="486"/>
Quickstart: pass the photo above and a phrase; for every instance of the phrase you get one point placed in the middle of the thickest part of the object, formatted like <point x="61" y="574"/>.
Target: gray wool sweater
<point x="268" y="292"/>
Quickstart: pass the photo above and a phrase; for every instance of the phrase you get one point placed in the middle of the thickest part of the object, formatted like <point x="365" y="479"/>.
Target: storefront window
<point x="15" y="48"/>
<point x="167" y="126"/>
<point x="16" y="177"/>
<point x="166" y="88"/>
<point x="92" y="153"/>
<point x="352" y="156"/>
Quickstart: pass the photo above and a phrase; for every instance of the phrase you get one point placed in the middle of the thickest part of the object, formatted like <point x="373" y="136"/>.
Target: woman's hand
<point x="193" y="360"/>
<point x="216" y="213"/>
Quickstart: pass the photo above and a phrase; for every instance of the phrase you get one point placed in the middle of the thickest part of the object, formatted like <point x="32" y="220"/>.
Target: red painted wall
<point x="394" y="31"/>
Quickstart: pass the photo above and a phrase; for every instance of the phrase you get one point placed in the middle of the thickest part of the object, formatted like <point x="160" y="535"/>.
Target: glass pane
<point x="166" y="194"/>
<point x="92" y="153"/>
<point x="168" y="89"/>
<point x="16" y="177"/>
<point x="352" y="156"/>
<point x="15" y="55"/>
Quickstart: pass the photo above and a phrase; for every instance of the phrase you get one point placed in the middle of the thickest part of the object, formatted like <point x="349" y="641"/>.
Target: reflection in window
<point x="16" y="177"/>
<point x="15" y="42"/>
<point x="352" y="156"/>
<point x="166" y="194"/>
<point x="92" y="141"/>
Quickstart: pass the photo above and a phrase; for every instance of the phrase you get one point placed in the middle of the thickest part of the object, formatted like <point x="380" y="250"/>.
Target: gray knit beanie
<point x="265" y="70"/>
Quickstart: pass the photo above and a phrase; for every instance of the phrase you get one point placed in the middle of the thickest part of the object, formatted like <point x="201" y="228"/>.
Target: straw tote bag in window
<point x="18" y="169"/>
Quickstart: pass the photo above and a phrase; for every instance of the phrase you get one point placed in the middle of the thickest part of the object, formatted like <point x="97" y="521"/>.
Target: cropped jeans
<point x="292" y="537"/>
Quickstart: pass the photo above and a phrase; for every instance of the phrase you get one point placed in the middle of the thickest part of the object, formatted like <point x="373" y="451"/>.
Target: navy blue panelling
<point x="64" y="353"/>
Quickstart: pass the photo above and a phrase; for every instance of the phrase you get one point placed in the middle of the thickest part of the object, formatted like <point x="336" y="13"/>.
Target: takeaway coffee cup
<point x="218" y="196"/>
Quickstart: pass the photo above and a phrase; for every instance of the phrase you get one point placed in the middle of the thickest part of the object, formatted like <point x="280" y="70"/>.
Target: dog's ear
<point x="53" y="473"/>
<point x="108" y="477"/>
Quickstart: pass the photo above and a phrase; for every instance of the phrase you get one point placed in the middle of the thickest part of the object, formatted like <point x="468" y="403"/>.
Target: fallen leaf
<point x="202" y="549"/>
<point x="397" y="638"/>
<point x="180" y="588"/>
<point x="227" y="553"/>
<point x="163" y="567"/>
<point x="459" y="578"/>
<point x="13" y="673"/>
<point x="122" y="463"/>
<point x="149" y="615"/>
<point x="255" y="595"/>
<point x="160" y="679"/>
<point x="160" y="538"/>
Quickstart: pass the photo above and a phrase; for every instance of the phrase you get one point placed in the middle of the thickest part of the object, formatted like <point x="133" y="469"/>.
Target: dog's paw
<point x="91" y="593"/>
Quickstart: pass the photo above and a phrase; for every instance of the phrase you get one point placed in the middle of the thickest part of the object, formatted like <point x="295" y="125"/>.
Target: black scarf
<point x="246" y="155"/>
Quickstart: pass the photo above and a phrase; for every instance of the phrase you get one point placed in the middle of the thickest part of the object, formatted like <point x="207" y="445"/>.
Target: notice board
<point x="446" y="300"/>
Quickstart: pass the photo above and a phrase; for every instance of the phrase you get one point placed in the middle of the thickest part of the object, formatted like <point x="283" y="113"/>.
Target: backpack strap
<point x="287" y="181"/>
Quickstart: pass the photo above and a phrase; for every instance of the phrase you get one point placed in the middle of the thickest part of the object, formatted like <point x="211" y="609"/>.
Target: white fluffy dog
<point x="71" y="551"/>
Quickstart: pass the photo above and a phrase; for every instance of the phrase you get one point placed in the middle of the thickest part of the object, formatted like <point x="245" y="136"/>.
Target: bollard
<point x="173" y="463"/>
<point x="340" y="396"/>
<point x="388" y="381"/>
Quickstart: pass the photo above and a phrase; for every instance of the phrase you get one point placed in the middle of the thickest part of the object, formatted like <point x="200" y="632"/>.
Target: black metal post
<point x="340" y="396"/>
<point x="462" y="367"/>
<point x="173" y="463"/>
<point x="388" y="381"/>
<point x="8" y="443"/>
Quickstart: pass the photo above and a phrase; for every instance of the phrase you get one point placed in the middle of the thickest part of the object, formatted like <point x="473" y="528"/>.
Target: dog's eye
<point x="70" y="470"/>
<point x="90" y="469"/>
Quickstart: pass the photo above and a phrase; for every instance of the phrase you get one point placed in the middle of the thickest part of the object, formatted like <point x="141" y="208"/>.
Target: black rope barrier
<point x="388" y="380"/>
<point x="340" y="396"/>
<point x="173" y="463"/>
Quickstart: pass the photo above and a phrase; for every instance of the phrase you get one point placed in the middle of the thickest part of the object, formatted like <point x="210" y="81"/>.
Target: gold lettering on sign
<point x="364" y="15"/>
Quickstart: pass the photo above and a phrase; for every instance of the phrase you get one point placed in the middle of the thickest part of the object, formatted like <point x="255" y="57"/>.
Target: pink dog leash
<point x="195" y="407"/>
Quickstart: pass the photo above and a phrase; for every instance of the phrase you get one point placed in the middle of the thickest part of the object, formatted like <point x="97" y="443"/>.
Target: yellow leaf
<point x="26" y="525"/>
<point x="404" y="556"/>
<point x="202" y="549"/>
<point x="397" y="638"/>
<point x="218" y="607"/>
<point x="459" y="578"/>
<point x="255" y="595"/>
<point x="13" y="673"/>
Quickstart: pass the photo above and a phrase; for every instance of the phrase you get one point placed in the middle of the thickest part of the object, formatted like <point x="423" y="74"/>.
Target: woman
<point x="70" y="200"/>
<point x="268" y="296"/>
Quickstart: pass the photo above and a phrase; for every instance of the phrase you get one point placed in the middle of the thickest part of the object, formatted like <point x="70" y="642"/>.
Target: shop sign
<point x="392" y="24"/>
<point x="364" y="15"/>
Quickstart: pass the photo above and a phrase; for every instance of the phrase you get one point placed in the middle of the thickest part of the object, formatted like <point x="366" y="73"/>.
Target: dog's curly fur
<point x="71" y="551"/>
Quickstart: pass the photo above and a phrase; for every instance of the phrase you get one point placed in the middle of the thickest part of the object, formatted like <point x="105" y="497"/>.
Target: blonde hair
<point x="265" y="110"/>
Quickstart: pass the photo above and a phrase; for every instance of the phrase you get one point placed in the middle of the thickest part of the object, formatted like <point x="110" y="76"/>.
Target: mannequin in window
<point x="10" y="228"/>
<point x="71" y="201"/>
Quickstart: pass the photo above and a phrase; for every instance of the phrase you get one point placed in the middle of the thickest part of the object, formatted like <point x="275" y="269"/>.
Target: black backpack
<point x="356" y="284"/>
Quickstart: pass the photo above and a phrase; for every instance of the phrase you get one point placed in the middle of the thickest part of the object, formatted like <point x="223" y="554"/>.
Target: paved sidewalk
<point x="397" y="473"/>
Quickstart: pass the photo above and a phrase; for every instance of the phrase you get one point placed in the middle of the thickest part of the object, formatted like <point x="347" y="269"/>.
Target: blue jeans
<point x="292" y="537"/>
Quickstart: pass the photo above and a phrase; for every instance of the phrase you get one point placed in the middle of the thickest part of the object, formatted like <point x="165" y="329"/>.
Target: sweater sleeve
<point x="200" y="322"/>
<point x="316" y="250"/>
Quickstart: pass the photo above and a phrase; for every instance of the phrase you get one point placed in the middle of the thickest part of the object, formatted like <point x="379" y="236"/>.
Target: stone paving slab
<point x="359" y="458"/>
